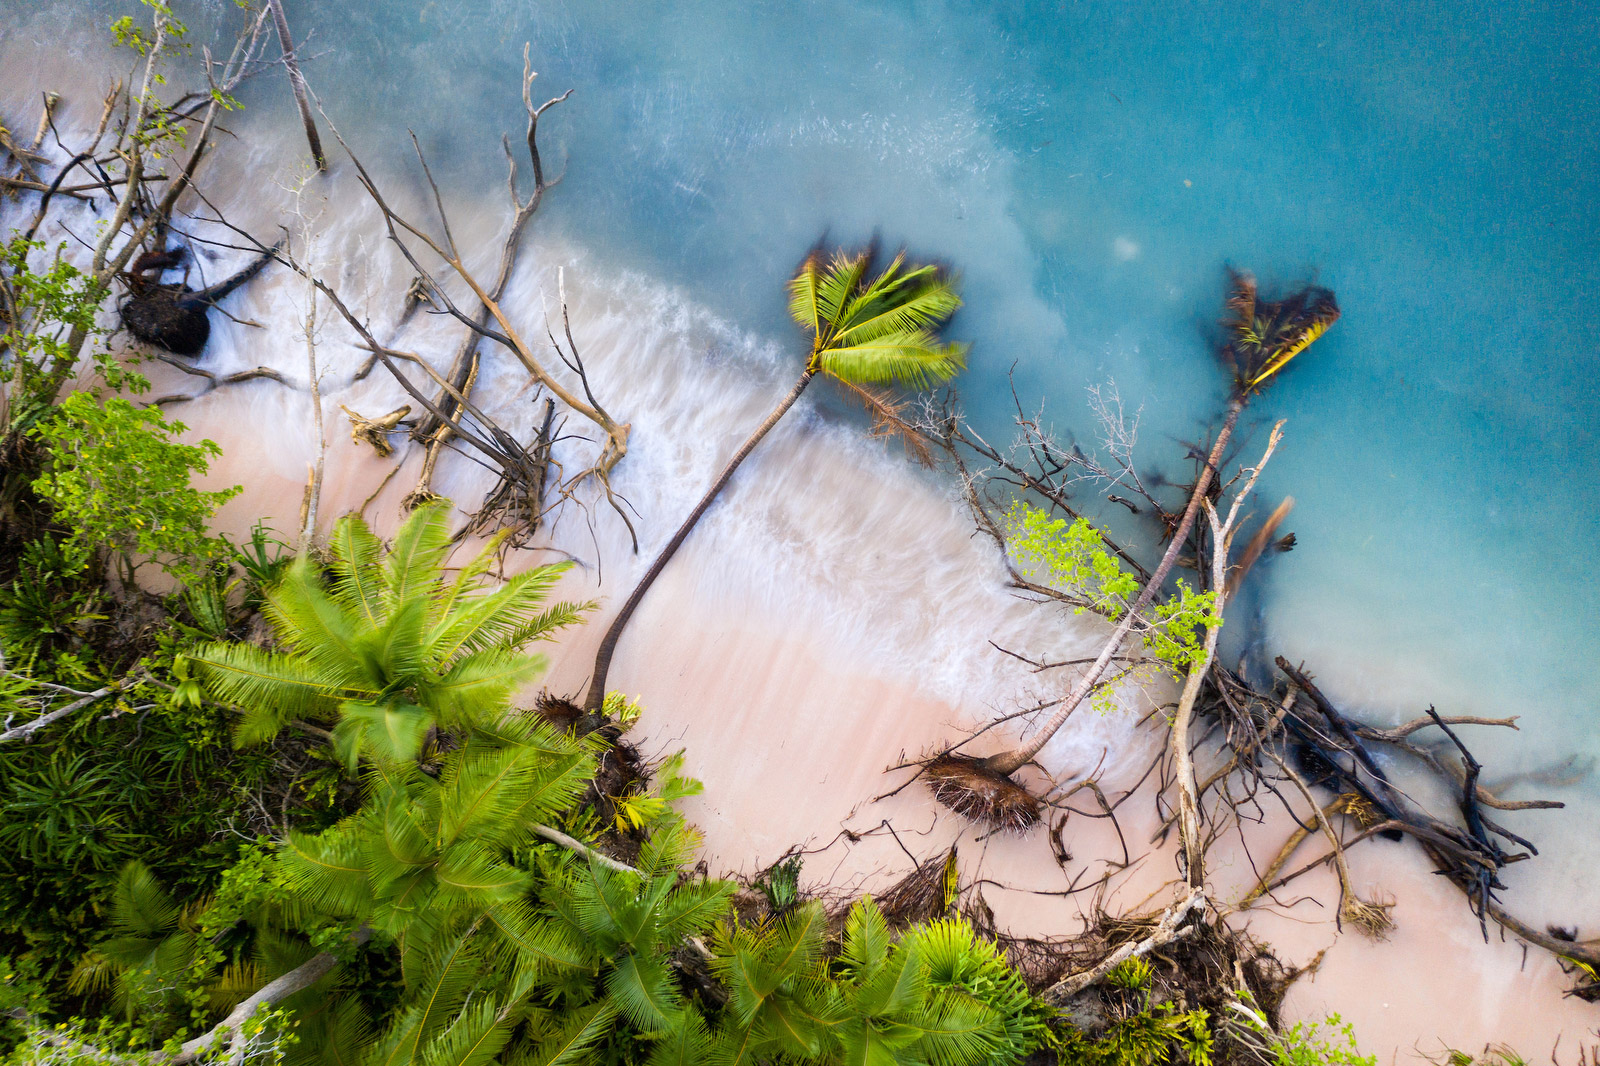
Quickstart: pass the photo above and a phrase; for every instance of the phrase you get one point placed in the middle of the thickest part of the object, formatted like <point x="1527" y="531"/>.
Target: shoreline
<point x="793" y="747"/>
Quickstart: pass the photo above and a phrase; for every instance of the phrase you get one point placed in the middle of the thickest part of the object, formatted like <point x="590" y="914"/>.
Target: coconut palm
<point x="865" y="330"/>
<point x="1263" y="337"/>
<point x="386" y="645"/>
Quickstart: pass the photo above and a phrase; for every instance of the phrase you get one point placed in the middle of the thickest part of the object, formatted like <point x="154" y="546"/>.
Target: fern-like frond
<point x="536" y="944"/>
<point x="327" y="870"/>
<point x="573" y="1042"/>
<point x="480" y="685"/>
<point x="270" y="689"/>
<point x="496" y="619"/>
<point x="545" y="624"/>
<point x="693" y="908"/>
<point x="386" y="732"/>
<point x="477" y="1035"/>
<point x="866" y="939"/>
<point x="140" y="906"/>
<point x="688" y="1044"/>
<point x="420" y="545"/>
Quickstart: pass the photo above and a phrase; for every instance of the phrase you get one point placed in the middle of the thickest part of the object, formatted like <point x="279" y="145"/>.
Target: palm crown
<point x="390" y="646"/>
<point x="1266" y="334"/>
<point x="877" y="330"/>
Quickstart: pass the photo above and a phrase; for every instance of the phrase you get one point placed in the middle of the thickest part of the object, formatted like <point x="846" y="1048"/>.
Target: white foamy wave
<point x="823" y="533"/>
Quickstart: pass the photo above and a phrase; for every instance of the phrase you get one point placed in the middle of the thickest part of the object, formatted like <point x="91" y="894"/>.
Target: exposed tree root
<point x="973" y="790"/>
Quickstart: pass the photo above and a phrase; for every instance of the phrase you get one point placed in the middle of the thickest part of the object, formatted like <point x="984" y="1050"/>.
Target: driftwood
<point x="297" y="82"/>
<point x="174" y="316"/>
<point x="1168" y="928"/>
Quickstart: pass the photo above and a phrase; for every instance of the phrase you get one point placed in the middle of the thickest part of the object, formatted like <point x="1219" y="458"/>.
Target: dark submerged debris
<point x="174" y="316"/>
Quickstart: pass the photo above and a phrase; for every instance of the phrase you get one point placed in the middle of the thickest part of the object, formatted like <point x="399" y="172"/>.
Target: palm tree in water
<point x="1263" y="336"/>
<point x="866" y="329"/>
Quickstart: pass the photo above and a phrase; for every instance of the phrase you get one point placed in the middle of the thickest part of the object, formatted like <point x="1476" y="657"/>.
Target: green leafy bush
<point x="1074" y="558"/>
<point x="117" y="479"/>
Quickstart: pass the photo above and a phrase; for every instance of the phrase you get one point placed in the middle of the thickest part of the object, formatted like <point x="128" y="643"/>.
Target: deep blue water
<point x="1089" y="167"/>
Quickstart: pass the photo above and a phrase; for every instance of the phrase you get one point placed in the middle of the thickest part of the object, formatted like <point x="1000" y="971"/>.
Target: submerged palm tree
<point x="391" y="647"/>
<point x="864" y="331"/>
<point x="1264" y="337"/>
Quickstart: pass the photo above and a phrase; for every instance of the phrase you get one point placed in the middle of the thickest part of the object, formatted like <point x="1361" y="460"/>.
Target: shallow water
<point x="1089" y="167"/>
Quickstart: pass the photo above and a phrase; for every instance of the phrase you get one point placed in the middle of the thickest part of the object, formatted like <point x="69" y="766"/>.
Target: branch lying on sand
<point x="1170" y="927"/>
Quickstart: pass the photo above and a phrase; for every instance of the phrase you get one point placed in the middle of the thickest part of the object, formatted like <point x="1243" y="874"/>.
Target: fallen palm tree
<point x="1264" y="337"/>
<point x="865" y="330"/>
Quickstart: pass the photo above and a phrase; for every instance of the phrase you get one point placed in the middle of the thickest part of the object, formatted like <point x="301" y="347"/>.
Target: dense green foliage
<point x="119" y="482"/>
<point x="392" y="646"/>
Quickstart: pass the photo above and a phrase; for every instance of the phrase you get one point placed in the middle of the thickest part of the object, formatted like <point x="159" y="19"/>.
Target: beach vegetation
<point x="387" y="647"/>
<point x="1262" y="338"/>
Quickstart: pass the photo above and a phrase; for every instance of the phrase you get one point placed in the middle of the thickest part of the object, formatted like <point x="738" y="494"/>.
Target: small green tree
<point x="119" y="482"/>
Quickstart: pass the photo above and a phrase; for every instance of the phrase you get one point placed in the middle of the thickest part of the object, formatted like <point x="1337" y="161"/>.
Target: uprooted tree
<point x="1262" y="733"/>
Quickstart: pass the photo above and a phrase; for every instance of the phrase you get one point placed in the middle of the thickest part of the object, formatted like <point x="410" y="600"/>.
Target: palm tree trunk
<point x="591" y="719"/>
<point x="1007" y="762"/>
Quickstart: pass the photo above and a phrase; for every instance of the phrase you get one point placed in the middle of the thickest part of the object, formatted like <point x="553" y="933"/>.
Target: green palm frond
<point x="397" y="1046"/>
<point x="908" y="357"/>
<point x="473" y="871"/>
<point x="140" y="906"/>
<point x="338" y="1034"/>
<point x="311" y="624"/>
<point x="693" y="908"/>
<point x="836" y="287"/>
<point x="544" y="625"/>
<point x="327" y="870"/>
<point x="386" y="732"/>
<point x="396" y="651"/>
<point x="387" y="644"/>
<point x="880" y="329"/>
<point x="689" y="1043"/>
<point x="271" y="689"/>
<point x="357" y="575"/>
<point x="958" y="1030"/>
<point x="477" y="1035"/>
<point x="926" y="307"/>
<point x="234" y="984"/>
<point x="866" y="939"/>
<point x="572" y="1043"/>
<point x="506" y="617"/>
<point x="642" y="988"/>
<point x="481" y="684"/>
<point x="417" y="553"/>
<point x="536" y="944"/>
<point x="803" y="304"/>
<point x="441" y="980"/>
